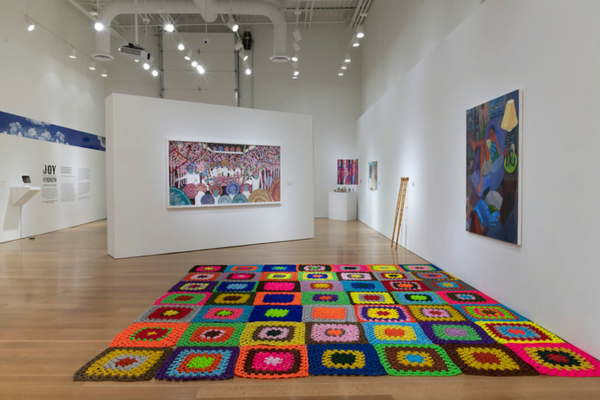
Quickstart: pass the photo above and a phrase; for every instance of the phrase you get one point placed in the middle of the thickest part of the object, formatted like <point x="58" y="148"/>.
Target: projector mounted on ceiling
<point x="136" y="52"/>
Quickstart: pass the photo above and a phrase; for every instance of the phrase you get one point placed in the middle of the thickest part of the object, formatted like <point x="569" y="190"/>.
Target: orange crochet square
<point x="329" y="313"/>
<point x="150" y="334"/>
<point x="271" y="362"/>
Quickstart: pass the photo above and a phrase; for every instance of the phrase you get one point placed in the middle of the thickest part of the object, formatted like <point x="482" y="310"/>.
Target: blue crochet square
<point x="279" y="268"/>
<point x="363" y="286"/>
<point x="234" y="286"/>
<point x="276" y="313"/>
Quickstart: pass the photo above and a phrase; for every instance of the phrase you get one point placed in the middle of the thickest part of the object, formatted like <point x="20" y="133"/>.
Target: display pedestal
<point x="22" y="194"/>
<point x="343" y="206"/>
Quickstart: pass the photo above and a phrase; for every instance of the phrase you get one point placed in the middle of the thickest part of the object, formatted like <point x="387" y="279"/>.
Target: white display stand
<point x="22" y="194"/>
<point x="343" y="206"/>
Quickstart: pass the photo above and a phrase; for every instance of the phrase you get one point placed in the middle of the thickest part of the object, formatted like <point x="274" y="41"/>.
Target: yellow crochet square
<point x="328" y="359"/>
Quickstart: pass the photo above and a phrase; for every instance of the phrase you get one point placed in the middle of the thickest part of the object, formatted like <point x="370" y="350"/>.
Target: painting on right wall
<point x="493" y="164"/>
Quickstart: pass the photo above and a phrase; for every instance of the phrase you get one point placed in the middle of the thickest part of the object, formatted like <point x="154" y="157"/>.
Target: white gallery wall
<point x="139" y="222"/>
<point x="334" y="102"/>
<point x="549" y="49"/>
<point x="40" y="82"/>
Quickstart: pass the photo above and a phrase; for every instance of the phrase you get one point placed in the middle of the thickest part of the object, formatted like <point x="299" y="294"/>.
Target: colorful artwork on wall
<point x="493" y="164"/>
<point x="347" y="172"/>
<point x="27" y="128"/>
<point x="373" y="175"/>
<point x="209" y="174"/>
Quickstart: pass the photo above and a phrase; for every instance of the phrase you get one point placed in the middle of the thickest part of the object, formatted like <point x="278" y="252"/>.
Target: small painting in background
<point x="373" y="175"/>
<point x="493" y="159"/>
<point x="347" y="172"/>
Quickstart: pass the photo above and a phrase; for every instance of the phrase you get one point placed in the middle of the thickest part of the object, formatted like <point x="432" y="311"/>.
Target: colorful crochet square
<point x="559" y="359"/>
<point x="518" y="332"/>
<point x="435" y="312"/>
<point x="279" y="268"/>
<point x="273" y="333"/>
<point x="335" y="333"/>
<point x="419" y="267"/>
<point x="240" y="276"/>
<point x="278" y="299"/>
<point x="276" y="313"/>
<point x="456" y="332"/>
<point x="314" y="268"/>
<point x="194" y="287"/>
<point x="168" y="314"/>
<point x="194" y="363"/>
<point x="229" y="286"/>
<point x="440" y="275"/>
<point x="350" y="268"/>
<point x="447" y="285"/>
<point x="267" y="362"/>
<point x="183" y="298"/>
<point x="208" y="268"/>
<point x="465" y="296"/>
<point x="355" y="276"/>
<point x="384" y="268"/>
<point x="325" y="298"/>
<point x="321" y="286"/>
<point x="344" y="359"/>
<point x="316" y="313"/>
<point x="395" y="333"/>
<point x="279" y="276"/>
<point x="362" y="286"/>
<point x="201" y="276"/>
<point x="231" y="299"/>
<point x="405" y="286"/>
<point x="149" y="334"/>
<point x="487" y="359"/>
<point x="476" y="312"/>
<point x="276" y="286"/>
<point x="383" y="313"/>
<point x="371" y="298"/>
<point x="123" y="364"/>
<point x="416" y="360"/>
<point x="223" y="314"/>
<point x="212" y="335"/>
<point x="394" y="276"/>
<point x="317" y="276"/>
<point x="244" y="268"/>
<point x="417" y="298"/>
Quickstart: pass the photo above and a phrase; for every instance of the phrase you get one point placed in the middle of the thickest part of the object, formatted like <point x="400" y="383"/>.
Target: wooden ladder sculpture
<point x="399" y="210"/>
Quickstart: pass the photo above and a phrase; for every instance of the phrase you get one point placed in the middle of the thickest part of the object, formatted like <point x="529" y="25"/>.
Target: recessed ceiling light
<point x="154" y="73"/>
<point x="360" y="33"/>
<point x="99" y="26"/>
<point x="181" y="47"/>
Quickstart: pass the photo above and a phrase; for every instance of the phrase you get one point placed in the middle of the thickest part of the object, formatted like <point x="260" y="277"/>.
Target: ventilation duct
<point x="209" y="9"/>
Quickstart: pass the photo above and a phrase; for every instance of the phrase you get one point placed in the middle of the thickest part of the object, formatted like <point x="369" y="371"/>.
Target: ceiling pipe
<point x="209" y="9"/>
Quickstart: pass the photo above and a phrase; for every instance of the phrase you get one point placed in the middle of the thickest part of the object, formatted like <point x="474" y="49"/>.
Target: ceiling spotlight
<point x="238" y="46"/>
<point x="169" y="27"/>
<point x="294" y="77"/>
<point x="296" y="73"/>
<point x="200" y="69"/>
<point x="99" y="26"/>
<point x="92" y="66"/>
<point x="296" y="46"/>
<point x="231" y="24"/>
<point x="247" y="69"/>
<point x="295" y="57"/>
<point x="355" y="42"/>
<point x="104" y="74"/>
<point x="347" y="58"/>
<point x="344" y="67"/>
<point x="73" y="53"/>
<point x="360" y="33"/>
<point x="243" y="55"/>
<point x="146" y="66"/>
<point x="194" y="63"/>
<point x="340" y="73"/>
<point x="297" y="36"/>
<point x="29" y="23"/>
<point x="154" y="73"/>
<point x="188" y="56"/>
<point x="181" y="47"/>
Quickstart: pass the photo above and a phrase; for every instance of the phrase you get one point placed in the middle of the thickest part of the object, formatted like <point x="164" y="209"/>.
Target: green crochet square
<point x="325" y="298"/>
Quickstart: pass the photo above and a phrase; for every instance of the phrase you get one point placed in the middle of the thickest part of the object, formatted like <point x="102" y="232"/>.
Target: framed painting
<point x="203" y="174"/>
<point x="494" y="168"/>
<point x="347" y="172"/>
<point x="373" y="175"/>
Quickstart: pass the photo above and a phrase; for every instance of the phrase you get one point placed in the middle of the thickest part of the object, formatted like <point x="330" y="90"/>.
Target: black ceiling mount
<point x="247" y="40"/>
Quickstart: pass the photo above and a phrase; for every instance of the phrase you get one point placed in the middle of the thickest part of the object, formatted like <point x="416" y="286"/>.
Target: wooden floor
<point x="62" y="299"/>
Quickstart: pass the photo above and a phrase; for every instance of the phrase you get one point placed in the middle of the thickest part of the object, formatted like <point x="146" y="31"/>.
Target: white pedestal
<point x="21" y="195"/>
<point x="343" y="206"/>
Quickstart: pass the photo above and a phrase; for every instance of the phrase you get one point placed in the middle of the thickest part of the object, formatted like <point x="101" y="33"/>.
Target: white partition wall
<point x="139" y="222"/>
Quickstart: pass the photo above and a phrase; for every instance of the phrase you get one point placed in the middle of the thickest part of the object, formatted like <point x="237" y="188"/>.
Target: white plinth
<point x="21" y="195"/>
<point x="343" y="206"/>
